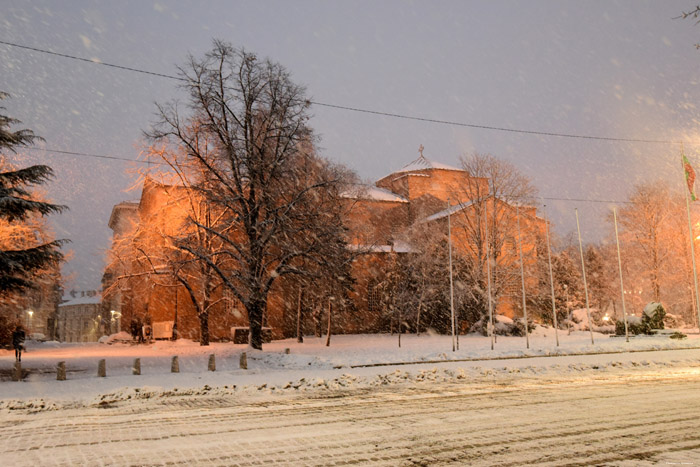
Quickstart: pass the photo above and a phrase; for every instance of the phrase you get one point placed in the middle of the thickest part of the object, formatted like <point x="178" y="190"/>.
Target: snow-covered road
<point x="623" y="417"/>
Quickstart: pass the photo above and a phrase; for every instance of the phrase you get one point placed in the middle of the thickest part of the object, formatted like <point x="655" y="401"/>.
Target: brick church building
<point x="378" y="217"/>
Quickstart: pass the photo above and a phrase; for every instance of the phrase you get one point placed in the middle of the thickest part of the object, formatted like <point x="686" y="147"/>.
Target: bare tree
<point x="695" y="15"/>
<point x="644" y="231"/>
<point x="260" y="168"/>
<point x="654" y="239"/>
<point x="488" y="200"/>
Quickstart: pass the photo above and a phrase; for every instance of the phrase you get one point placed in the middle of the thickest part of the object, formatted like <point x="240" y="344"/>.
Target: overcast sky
<point x="623" y="69"/>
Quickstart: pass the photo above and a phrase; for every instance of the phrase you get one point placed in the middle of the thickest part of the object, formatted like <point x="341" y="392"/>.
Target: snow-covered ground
<point x="363" y="400"/>
<point x="359" y="359"/>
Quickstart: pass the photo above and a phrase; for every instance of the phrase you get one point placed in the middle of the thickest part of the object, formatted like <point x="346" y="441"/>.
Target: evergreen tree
<point x="18" y="264"/>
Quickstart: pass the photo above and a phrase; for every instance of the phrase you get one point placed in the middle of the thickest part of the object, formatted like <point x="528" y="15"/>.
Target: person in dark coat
<point x="134" y="330"/>
<point x="18" y="337"/>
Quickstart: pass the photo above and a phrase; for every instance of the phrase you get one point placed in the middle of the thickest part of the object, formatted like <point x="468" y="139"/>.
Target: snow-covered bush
<point x="579" y="321"/>
<point x="673" y="321"/>
<point x="503" y="326"/>
<point x="653" y="316"/>
<point x="506" y="326"/>
<point x="634" y="326"/>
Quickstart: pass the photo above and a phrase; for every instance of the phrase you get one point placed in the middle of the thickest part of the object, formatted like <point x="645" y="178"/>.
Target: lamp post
<point x="111" y="322"/>
<point x="30" y="314"/>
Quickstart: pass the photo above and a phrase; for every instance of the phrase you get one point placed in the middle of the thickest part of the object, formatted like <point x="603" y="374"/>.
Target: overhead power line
<point x="496" y="128"/>
<point x="93" y="61"/>
<point x="368" y="111"/>
<point x="96" y="156"/>
<point x="125" y="159"/>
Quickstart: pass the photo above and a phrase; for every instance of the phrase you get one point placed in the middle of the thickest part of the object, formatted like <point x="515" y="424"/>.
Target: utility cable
<point x="368" y="111"/>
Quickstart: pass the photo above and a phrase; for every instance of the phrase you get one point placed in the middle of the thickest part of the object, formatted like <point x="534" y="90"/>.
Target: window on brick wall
<point x="373" y="295"/>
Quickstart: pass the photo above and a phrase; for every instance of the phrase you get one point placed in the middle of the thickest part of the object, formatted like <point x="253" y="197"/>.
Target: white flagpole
<point x="522" y="277"/>
<point x="622" y="287"/>
<point x="692" y="244"/>
<point x="488" y="274"/>
<point x="551" y="278"/>
<point x="452" y="296"/>
<point x="585" y="284"/>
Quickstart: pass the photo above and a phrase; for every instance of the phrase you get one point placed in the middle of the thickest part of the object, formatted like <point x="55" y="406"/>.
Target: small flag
<point x="689" y="177"/>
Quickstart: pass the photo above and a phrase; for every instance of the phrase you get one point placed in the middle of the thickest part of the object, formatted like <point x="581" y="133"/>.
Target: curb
<point x="513" y="357"/>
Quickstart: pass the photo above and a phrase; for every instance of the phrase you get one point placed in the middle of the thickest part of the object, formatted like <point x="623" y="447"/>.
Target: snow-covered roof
<point x="94" y="300"/>
<point x="397" y="247"/>
<point x="372" y="193"/>
<point x="423" y="163"/>
<point x="449" y="211"/>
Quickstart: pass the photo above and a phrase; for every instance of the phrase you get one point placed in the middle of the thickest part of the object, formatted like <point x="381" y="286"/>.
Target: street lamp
<point x="30" y="313"/>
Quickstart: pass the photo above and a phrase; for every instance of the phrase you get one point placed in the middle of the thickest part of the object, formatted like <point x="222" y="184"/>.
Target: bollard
<point x="175" y="365"/>
<point x="17" y="372"/>
<point x="102" y="368"/>
<point x="244" y="361"/>
<point x="136" y="369"/>
<point x="61" y="371"/>
<point x="286" y="350"/>
<point x="212" y="363"/>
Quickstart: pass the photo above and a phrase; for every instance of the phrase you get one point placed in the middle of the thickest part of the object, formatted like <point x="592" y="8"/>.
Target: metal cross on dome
<point x="420" y="150"/>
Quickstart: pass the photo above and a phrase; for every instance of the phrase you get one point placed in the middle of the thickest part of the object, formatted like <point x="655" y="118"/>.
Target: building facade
<point x="80" y="318"/>
<point x="378" y="218"/>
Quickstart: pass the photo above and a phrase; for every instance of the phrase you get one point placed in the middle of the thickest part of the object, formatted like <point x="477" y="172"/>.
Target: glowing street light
<point x="30" y="314"/>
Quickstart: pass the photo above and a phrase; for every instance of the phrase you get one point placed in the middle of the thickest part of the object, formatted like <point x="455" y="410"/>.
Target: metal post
<point x="585" y="284"/>
<point x="551" y="279"/>
<point x="692" y="247"/>
<point x="522" y="276"/>
<point x="452" y="297"/>
<point x="622" y="287"/>
<point x="488" y="276"/>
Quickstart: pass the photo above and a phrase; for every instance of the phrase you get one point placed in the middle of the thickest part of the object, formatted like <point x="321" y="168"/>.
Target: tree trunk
<point x="317" y="320"/>
<point x="255" y="317"/>
<point x="204" y="312"/>
<point x="328" y="334"/>
<point x="204" y="328"/>
<point x="300" y="336"/>
<point x="400" y="320"/>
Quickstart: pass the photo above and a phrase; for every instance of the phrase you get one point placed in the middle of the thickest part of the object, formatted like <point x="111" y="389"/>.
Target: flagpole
<point x="585" y="284"/>
<point x="522" y="277"/>
<point x="690" y="233"/>
<point x="452" y="295"/>
<point x="622" y="287"/>
<point x="488" y="273"/>
<point x="551" y="276"/>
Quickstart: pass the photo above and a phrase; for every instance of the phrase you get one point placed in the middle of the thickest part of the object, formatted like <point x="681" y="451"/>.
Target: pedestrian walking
<point x="134" y="330"/>
<point x="18" y="337"/>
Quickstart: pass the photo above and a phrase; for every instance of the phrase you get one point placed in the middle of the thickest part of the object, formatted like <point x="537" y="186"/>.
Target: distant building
<point x="123" y="221"/>
<point x="80" y="318"/>
<point x="376" y="218"/>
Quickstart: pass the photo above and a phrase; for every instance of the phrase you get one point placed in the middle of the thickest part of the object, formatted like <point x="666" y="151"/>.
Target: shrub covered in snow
<point x="579" y="321"/>
<point x="505" y="326"/>
<point x="652" y="319"/>
<point x="634" y="326"/>
<point x="653" y="316"/>
<point x="673" y="321"/>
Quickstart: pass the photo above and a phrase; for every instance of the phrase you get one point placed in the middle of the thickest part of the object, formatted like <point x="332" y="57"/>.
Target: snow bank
<point x="351" y="361"/>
